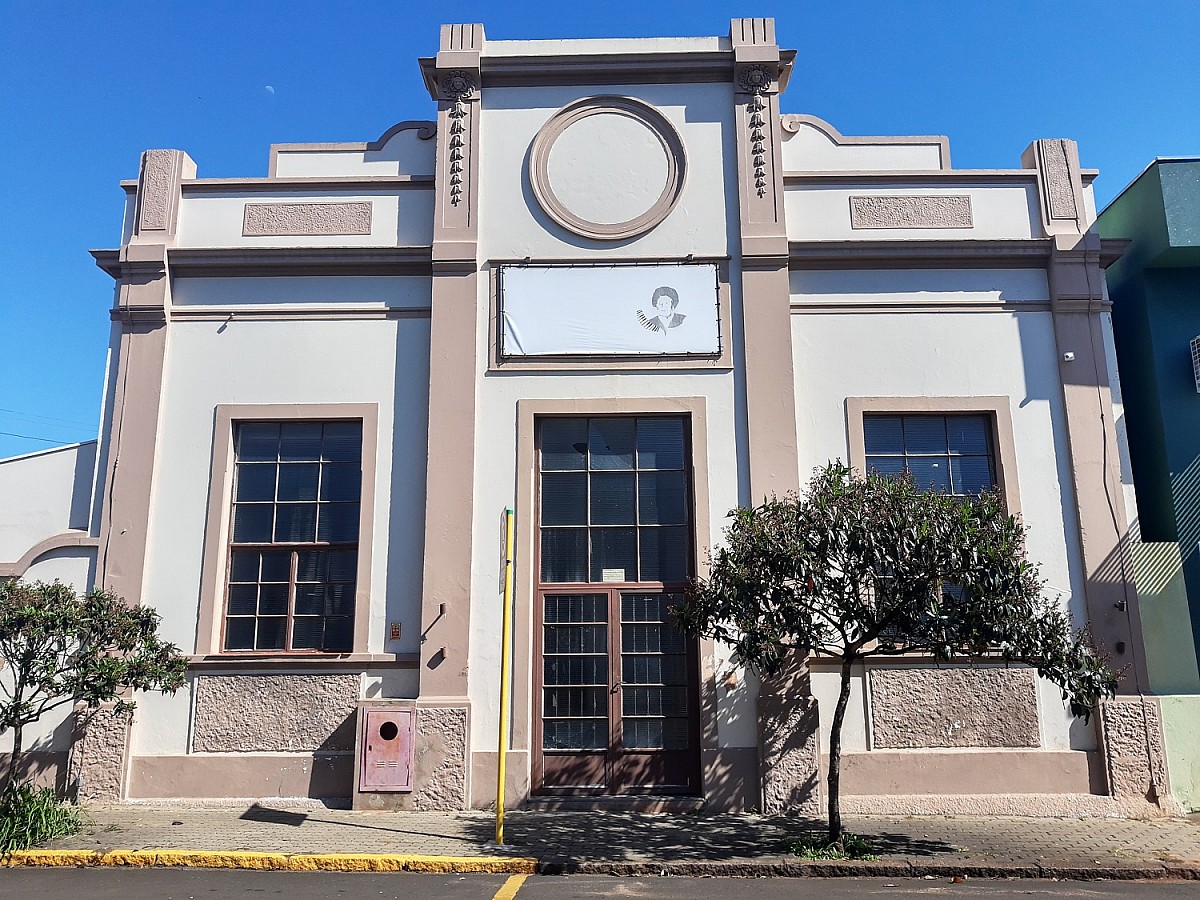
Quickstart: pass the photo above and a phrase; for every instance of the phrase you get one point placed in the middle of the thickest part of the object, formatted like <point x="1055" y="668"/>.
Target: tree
<point x="59" y="647"/>
<point x="868" y="566"/>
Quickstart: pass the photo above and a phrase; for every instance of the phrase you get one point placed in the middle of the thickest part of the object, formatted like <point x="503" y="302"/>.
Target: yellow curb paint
<point x="299" y="862"/>
<point x="509" y="889"/>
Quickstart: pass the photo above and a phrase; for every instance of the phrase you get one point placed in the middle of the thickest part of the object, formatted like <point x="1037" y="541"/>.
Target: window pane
<point x="255" y="482"/>
<point x="308" y="633"/>
<point x="656" y="734"/>
<point x="576" y="608"/>
<point x="239" y="634"/>
<point x="575" y="734"/>
<point x="968" y="434"/>
<point x="310" y="600"/>
<point x="564" y="554"/>
<point x="614" y="549"/>
<point x="575" y="670"/>
<point x="340" y="565"/>
<point x="564" y="499"/>
<point x="576" y="702"/>
<point x="339" y="634"/>
<point x="612" y="498"/>
<point x="646" y="638"/>
<point x="276" y="565"/>
<point x="244" y="565"/>
<point x="342" y="441"/>
<point x="341" y="481"/>
<point x="311" y="565"/>
<point x="243" y="599"/>
<point x="257" y="442"/>
<point x="575" y="639"/>
<point x="271" y="634"/>
<point x="300" y="441"/>
<point x="925" y="434"/>
<point x="971" y="474"/>
<point x="886" y="465"/>
<point x="654" y="701"/>
<point x="272" y="599"/>
<point x="298" y="481"/>
<point x="662" y="498"/>
<point x="883" y="434"/>
<point x="252" y="524"/>
<point x="648" y="607"/>
<point x="564" y="444"/>
<point x="930" y="472"/>
<point x="660" y="443"/>
<point x="338" y="523"/>
<point x="296" y="522"/>
<point x="665" y="553"/>
<point x="610" y="443"/>
<point x="637" y="669"/>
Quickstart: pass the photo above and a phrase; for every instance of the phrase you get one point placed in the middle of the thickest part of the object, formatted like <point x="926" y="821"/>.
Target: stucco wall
<point x="44" y="493"/>
<point x="1181" y="732"/>
<point x="809" y="149"/>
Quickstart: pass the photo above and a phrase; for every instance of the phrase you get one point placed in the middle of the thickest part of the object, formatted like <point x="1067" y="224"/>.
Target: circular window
<point x="607" y="168"/>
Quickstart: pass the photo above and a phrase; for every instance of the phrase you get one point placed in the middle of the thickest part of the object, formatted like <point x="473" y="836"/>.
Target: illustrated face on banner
<point x="669" y="308"/>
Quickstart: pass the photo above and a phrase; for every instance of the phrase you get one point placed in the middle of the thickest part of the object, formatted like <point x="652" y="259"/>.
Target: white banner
<point x="614" y="310"/>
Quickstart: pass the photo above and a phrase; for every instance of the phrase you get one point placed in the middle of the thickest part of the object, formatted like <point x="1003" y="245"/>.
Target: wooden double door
<point x="617" y="694"/>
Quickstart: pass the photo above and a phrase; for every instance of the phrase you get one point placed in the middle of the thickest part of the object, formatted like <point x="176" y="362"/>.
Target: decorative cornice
<point x="250" y="261"/>
<point x="1025" y="253"/>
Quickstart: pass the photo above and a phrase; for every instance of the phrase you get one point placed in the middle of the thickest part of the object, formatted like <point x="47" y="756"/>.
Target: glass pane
<point x="339" y="599"/>
<point x="968" y="434"/>
<point x="339" y="634"/>
<point x="257" y="442"/>
<point x="340" y="565"/>
<point x="310" y="600"/>
<point x="564" y="444"/>
<point x="637" y="669"/>
<point x="300" y="441"/>
<point x="660" y="443"/>
<point x="342" y="441"/>
<point x="239" y="634"/>
<point x="883" y="434"/>
<point x="271" y="634"/>
<point x="652" y="639"/>
<point x="243" y="599"/>
<point x="308" y="633"/>
<point x="662" y="498"/>
<point x="610" y="443"/>
<point x="575" y="670"/>
<point x="564" y="554"/>
<point x="971" y="474"/>
<point x="665" y="553"/>
<point x="276" y="565"/>
<point x="298" y="481"/>
<point x="252" y="524"/>
<point x="930" y="472"/>
<point x="564" y="499"/>
<point x="272" y="600"/>
<point x="648" y="607"/>
<point x="612" y="498"/>
<point x="255" y="482"/>
<point x="296" y="522"/>
<point x="575" y="734"/>
<point x="338" y="523"/>
<point x="244" y="565"/>
<point x="886" y="465"/>
<point x="576" y="608"/>
<point x="614" y="550"/>
<point x="311" y="565"/>
<point x="925" y="434"/>
<point x="643" y="734"/>
<point x="341" y="481"/>
<point x="575" y="639"/>
<point x="654" y="701"/>
<point x="584" y="702"/>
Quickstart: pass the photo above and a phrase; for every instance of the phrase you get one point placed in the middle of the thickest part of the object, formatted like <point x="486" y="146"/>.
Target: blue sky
<point x="85" y="87"/>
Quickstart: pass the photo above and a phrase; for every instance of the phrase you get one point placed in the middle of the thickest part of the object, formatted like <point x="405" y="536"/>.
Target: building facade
<point x="1156" y="326"/>
<point x="614" y="288"/>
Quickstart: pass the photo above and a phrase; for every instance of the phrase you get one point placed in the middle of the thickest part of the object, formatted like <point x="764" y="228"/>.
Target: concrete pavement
<point x="639" y="843"/>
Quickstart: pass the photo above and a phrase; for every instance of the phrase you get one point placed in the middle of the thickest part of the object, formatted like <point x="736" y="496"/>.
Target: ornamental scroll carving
<point x="457" y="87"/>
<point x="757" y="81"/>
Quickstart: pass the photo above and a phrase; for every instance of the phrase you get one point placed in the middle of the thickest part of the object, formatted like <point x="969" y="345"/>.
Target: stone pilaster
<point x="99" y="757"/>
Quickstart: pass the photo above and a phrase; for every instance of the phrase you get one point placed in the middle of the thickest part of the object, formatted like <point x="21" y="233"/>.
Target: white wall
<point x="949" y="355"/>
<point x="811" y="150"/>
<point x="44" y="493"/>
<point x="404" y="154"/>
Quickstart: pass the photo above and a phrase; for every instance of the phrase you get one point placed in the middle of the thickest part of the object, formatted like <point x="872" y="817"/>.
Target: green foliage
<point x="848" y="846"/>
<point x="59" y="647"/>
<point x="31" y="816"/>
<point x="868" y="566"/>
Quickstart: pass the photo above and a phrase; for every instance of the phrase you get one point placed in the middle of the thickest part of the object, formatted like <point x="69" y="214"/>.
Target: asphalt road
<point x="201" y="884"/>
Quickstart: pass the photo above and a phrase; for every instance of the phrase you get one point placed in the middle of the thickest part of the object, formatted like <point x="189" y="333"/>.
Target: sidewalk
<point x="627" y="843"/>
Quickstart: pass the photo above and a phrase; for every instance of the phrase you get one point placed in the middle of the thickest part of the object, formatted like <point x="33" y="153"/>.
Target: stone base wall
<point x="789" y="753"/>
<point x="1136" y="757"/>
<point x="440" y="763"/>
<point x="97" y="763"/>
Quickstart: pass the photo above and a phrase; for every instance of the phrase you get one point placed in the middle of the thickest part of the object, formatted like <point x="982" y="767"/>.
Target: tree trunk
<point x="15" y="759"/>
<point x="835" y="753"/>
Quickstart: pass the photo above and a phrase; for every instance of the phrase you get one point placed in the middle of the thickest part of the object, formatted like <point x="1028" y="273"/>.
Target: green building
<point x="1155" y="292"/>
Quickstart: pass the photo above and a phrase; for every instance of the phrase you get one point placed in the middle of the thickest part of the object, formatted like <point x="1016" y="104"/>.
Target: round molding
<point x="647" y="115"/>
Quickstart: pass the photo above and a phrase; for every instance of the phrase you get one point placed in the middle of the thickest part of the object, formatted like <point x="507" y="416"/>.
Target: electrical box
<point x="386" y="749"/>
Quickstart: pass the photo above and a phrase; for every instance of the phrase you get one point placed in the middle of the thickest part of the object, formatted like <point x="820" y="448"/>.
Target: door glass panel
<point x="575" y="678"/>
<point x="654" y="706"/>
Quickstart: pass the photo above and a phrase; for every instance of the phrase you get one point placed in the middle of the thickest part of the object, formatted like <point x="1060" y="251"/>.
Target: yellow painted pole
<point x="505" y="664"/>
